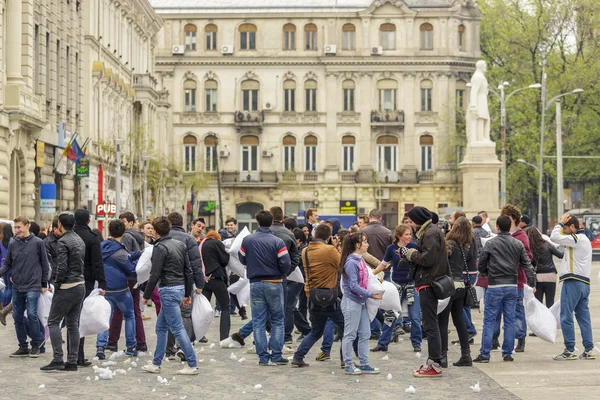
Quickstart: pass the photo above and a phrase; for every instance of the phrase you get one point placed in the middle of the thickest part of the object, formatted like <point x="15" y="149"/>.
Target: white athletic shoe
<point x="153" y="369"/>
<point x="187" y="370"/>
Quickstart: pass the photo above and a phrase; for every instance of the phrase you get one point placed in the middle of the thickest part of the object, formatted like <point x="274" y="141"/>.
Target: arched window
<point x="289" y="95"/>
<point x="348" y="143"/>
<point x="461" y="88"/>
<point x="250" y="95"/>
<point x="248" y="36"/>
<point x="426" y="142"/>
<point x="387" y="153"/>
<point x="190" y="37"/>
<point x="310" y="36"/>
<point x="426" y="94"/>
<point x="189" y="153"/>
<point x="388" y="36"/>
<point x="349" y="37"/>
<point x="289" y="37"/>
<point x="348" y="91"/>
<point x="210" y="89"/>
<point x="289" y="153"/>
<point x="189" y="88"/>
<point x="310" y="153"/>
<point x="211" y="36"/>
<point x="249" y="150"/>
<point x="426" y="36"/>
<point x="210" y="154"/>
<point x="461" y="38"/>
<point x="387" y="89"/>
<point x="310" y="88"/>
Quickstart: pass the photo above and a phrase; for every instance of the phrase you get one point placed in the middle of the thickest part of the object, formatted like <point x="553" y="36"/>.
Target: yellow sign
<point x="348" y="207"/>
<point x="39" y="154"/>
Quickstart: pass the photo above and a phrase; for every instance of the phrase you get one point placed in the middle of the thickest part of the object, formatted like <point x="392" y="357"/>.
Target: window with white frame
<point x="189" y="153"/>
<point x="387" y="153"/>
<point x="249" y="150"/>
<point x="210" y="89"/>
<point x="426" y="94"/>
<point x="388" y="36"/>
<point x="189" y="89"/>
<point x="349" y="37"/>
<point x="426" y="142"/>
<point x="289" y="37"/>
<point x="426" y="37"/>
<point x="310" y="89"/>
<point x="387" y="89"/>
<point x="348" y="93"/>
<point x="461" y="88"/>
<point x="210" y="154"/>
<point x="248" y="36"/>
<point x="250" y="95"/>
<point x="289" y="153"/>
<point x="310" y="37"/>
<point x="210" y="31"/>
<point x="190" y="37"/>
<point x="310" y="153"/>
<point x="289" y="96"/>
<point x="348" y="143"/>
<point x="461" y="38"/>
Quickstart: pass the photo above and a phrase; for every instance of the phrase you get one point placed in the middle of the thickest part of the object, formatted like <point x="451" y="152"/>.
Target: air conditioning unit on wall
<point x="224" y="153"/>
<point x="178" y="50"/>
<point x="330" y="49"/>
<point x="376" y="51"/>
<point x="267" y="106"/>
<point x="227" y="49"/>
<point x="267" y="154"/>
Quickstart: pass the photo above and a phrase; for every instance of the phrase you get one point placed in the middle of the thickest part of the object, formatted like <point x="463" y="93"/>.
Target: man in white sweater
<point x="575" y="271"/>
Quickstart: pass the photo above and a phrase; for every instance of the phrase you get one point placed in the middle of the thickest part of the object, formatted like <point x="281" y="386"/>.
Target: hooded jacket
<point x="118" y="265"/>
<point x="133" y="240"/>
<point x="27" y="261"/>
<point x="335" y="226"/>
<point x="93" y="267"/>
<point x="179" y="234"/>
<point x="522" y="237"/>
<point x="431" y="258"/>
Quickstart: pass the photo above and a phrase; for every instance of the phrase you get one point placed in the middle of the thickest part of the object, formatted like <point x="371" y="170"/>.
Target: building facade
<point x="318" y="103"/>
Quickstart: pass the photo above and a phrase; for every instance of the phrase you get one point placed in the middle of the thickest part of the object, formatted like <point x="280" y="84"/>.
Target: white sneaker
<point x="217" y="313"/>
<point x="187" y="370"/>
<point x="153" y="369"/>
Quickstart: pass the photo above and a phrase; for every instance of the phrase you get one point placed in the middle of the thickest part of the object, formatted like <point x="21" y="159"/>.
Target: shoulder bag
<point x="443" y="286"/>
<point x="319" y="297"/>
<point x="471" y="293"/>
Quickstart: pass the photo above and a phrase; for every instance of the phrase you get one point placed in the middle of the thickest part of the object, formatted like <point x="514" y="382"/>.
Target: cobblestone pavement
<point x="224" y="378"/>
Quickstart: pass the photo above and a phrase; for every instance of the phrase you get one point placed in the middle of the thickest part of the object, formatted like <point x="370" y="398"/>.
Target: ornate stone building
<point x="318" y="102"/>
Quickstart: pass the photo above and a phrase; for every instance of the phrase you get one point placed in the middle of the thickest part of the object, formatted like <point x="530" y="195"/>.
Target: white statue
<point x="478" y="117"/>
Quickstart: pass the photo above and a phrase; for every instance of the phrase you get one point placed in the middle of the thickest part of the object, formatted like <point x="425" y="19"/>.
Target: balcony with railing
<point x="289" y="177"/>
<point x="426" y="176"/>
<point x="311" y="177"/>
<point x="144" y="81"/>
<point x="348" y="177"/>
<point x="247" y="121"/>
<point x="387" y="118"/>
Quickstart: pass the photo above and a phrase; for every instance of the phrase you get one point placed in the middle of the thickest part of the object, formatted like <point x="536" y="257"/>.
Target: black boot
<point x="520" y="346"/>
<point x="464" y="361"/>
<point x="444" y="361"/>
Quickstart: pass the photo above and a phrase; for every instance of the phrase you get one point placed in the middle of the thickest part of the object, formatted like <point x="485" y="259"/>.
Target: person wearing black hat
<point x="93" y="267"/>
<point x="525" y="221"/>
<point x="69" y="292"/>
<point x="430" y="262"/>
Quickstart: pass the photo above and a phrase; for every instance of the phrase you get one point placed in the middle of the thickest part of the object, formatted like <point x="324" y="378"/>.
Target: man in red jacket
<point x="514" y="214"/>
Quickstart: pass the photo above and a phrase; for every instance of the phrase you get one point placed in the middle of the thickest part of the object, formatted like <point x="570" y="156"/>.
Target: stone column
<point x="480" y="169"/>
<point x="331" y="155"/>
<point x="364" y="155"/>
<point x="14" y="79"/>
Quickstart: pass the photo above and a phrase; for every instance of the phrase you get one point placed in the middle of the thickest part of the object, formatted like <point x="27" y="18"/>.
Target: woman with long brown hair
<point x="545" y="272"/>
<point x="462" y="256"/>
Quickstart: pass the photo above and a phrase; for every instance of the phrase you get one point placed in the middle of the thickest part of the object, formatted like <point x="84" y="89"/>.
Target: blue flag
<point x="79" y="154"/>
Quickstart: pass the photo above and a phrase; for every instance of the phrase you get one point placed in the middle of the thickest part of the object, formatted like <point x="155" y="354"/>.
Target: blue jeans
<point x="414" y="316"/>
<point x="27" y="301"/>
<point x="328" y="336"/>
<point x="356" y="322"/>
<point x="169" y="318"/>
<point x="574" y="297"/>
<point x="520" y="323"/>
<point x="267" y="302"/>
<point x="468" y="320"/>
<point x="124" y="302"/>
<point x="501" y="300"/>
<point x="319" y="321"/>
<point x="8" y="290"/>
<point x="293" y="290"/>
<point x="246" y="330"/>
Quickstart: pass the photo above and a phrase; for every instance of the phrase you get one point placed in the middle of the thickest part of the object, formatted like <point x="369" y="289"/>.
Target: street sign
<point x="47" y="198"/>
<point x="106" y="209"/>
<point x="348" y="207"/>
<point x="83" y="168"/>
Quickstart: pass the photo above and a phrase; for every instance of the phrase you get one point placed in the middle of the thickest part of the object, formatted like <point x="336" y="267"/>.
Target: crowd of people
<point x="425" y="261"/>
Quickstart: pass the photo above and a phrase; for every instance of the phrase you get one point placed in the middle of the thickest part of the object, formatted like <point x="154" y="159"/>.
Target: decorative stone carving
<point x="386" y="75"/>
<point x="310" y="75"/>
<point x="289" y="76"/>
<point x="210" y="76"/>
<point x="190" y="75"/>
<point x="348" y="75"/>
<point x="250" y="76"/>
<point x="332" y="74"/>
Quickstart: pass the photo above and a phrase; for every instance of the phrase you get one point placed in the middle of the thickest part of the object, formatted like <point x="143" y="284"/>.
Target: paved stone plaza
<point x="533" y="374"/>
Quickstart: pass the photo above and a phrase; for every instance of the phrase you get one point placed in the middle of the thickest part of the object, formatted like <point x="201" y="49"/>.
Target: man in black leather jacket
<point x="500" y="261"/>
<point x="69" y="292"/>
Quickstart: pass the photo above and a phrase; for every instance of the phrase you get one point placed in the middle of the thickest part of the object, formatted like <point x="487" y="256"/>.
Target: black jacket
<point x="283" y="233"/>
<point x="543" y="258"/>
<point x="191" y="244"/>
<point x="133" y="240"/>
<point x="70" y="256"/>
<point x="457" y="262"/>
<point x="215" y="258"/>
<point x="51" y="243"/>
<point x="170" y="266"/>
<point x="500" y="261"/>
<point x="431" y="258"/>
<point x="479" y="233"/>
<point x="93" y="267"/>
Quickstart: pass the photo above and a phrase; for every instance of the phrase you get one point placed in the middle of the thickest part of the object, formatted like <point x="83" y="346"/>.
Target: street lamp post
<point x="118" y="143"/>
<point x="216" y="155"/>
<point x="145" y="160"/>
<point x="164" y="171"/>
<point x="543" y="49"/>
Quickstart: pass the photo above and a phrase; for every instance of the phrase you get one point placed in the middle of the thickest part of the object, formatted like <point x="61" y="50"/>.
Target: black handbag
<point x="471" y="293"/>
<point x="443" y="286"/>
<point x="319" y="297"/>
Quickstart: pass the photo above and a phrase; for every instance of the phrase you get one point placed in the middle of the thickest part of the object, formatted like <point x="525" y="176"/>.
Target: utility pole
<point x="503" y="151"/>
<point x="559" y="162"/>
<point x="118" y="143"/>
<point x="216" y="157"/>
<point x="145" y="160"/>
<point x="540" y="217"/>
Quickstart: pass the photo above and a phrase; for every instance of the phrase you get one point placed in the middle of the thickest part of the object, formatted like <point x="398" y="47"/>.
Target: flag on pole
<point x="84" y="147"/>
<point x="77" y="150"/>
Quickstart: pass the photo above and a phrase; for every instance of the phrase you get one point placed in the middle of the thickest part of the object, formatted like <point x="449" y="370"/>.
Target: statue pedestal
<point x="480" y="174"/>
